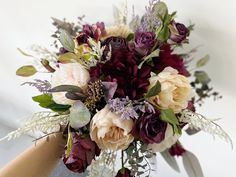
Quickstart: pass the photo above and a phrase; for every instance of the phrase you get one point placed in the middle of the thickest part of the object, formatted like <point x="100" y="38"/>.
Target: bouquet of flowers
<point x="121" y="91"/>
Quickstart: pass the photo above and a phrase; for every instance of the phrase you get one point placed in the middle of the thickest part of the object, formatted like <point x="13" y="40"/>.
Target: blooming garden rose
<point x="150" y="128"/>
<point x="110" y="131"/>
<point x="69" y="74"/>
<point x="176" y="90"/>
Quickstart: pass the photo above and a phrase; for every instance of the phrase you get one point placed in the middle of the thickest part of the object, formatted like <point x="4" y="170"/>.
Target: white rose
<point x="176" y="90"/>
<point x="69" y="74"/>
<point x="110" y="131"/>
<point x="169" y="140"/>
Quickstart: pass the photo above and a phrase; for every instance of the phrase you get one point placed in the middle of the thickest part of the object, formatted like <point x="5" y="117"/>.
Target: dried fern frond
<point x="46" y="122"/>
<point x="199" y="122"/>
<point x="121" y="13"/>
<point x="104" y="165"/>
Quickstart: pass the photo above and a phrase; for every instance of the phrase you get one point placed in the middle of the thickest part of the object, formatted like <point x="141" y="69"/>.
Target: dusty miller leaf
<point x="170" y="160"/>
<point x="192" y="165"/>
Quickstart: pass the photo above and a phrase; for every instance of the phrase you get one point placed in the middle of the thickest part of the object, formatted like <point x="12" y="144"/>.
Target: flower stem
<point x="122" y="158"/>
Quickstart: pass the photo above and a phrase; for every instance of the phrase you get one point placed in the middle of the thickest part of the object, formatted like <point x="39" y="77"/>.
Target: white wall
<point x="28" y="22"/>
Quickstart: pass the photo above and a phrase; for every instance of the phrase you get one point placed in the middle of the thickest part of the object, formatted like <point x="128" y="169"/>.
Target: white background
<point x="27" y="22"/>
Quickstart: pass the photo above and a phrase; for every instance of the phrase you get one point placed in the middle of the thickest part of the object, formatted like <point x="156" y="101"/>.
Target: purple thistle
<point x="42" y="86"/>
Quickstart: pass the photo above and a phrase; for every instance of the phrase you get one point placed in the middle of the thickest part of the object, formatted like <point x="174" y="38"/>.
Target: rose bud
<point x="179" y="32"/>
<point x="82" y="153"/>
<point x="177" y="150"/>
<point x="144" y="42"/>
<point x="124" y="172"/>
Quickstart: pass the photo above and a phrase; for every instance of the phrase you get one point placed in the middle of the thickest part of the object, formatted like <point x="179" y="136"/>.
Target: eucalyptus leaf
<point x="202" y="77"/>
<point x="161" y="9"/>
<point x="203" y="61"/>
<point x="26" y="71"/>
<point x="79" y="115"/>
<point x="67" y="41"/>
<point x="170" y="160"/>
<point x="154" y="90"/>
<point x="66" y="88"/>
<point x="192" y="165"/>
<point x="169" y="116"/>
<point x="67" y="57"/>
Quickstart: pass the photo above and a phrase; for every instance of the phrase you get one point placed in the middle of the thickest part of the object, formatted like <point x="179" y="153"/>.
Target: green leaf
<point x="46" y="101"/>
<point x="67" y="41"/>
<point x="67" y="57"/>
<point x="154" y="90"/>
<point x="26" y="71"/>
<point x="155" y="53"/>
<point x="66" y="88"/>
<point x="203" y="61"/>
<point x="130" y="37"/>
<point x="164" y="33"/>
<point x="168" y="115"/>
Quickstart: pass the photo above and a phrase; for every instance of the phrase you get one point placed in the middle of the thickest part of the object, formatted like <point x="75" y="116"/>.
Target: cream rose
<point x="175" y="93"/>
<point x="110" y="131"/>
<point x="169" y="140"/>
<point x="69" y="74"/>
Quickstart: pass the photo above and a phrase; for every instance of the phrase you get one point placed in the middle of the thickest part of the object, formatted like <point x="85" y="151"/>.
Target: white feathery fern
<point x="46" y="122"/>
<point x="199" y="122"/>
<point x="121" y="13"/>
<point x="103" y="166"/>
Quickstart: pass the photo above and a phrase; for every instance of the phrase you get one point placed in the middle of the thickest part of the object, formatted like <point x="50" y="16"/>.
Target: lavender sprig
<point x="42" y="86"/>
<point x="150" y="20"/>
<point x="130" y="109"/>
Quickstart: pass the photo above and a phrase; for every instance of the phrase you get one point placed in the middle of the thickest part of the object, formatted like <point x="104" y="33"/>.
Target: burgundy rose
<point x="182" y="31"/>
<point x="150" y="128"/>
<point x="122" y="68"/>
<point x="83" y="152"/>
<point x="124" y="172"/>
<point x="144" y="41"/>
<point x="166" y="58"/>
<point x="177" y="150"/>
<point x="116" y="43"/>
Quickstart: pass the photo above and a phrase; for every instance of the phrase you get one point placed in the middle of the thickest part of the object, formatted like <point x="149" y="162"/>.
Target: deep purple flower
<point x="177" y="150"/>
<point x="144" y="41"/>
<point x="166" y="58"/>
<point x="124" y="172"/>
<point x="116" y="43"/>
<point x="82" y="38"/>
<point x="83" y="152"/>
<point x="182" y="31"/>
<point x="150" y="128"/>
<point x="122" y="68"/>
